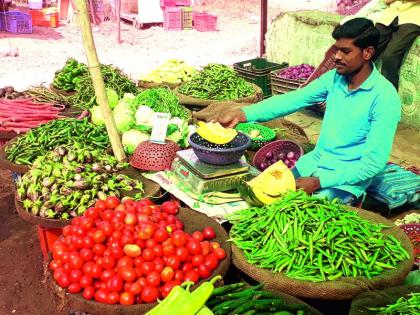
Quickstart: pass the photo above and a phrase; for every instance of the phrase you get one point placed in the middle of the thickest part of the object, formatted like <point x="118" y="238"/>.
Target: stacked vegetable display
<point x="66" y="181"/>
<point x="39" y="141"/>
<point x="171" y="71"/>
<point x="300" y="72"/>
<point x="20" y="115"/>
<point x="237" y="299"/>
<point x="131" y="252"/>
<point x="69" y="77"/>
<point x="312" y="239"/>
<point x="217" y="82"/>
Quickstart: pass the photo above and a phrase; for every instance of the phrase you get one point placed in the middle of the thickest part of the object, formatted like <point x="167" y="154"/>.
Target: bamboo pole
<point x="119" y="22"/>
<point x="98" y="81"/>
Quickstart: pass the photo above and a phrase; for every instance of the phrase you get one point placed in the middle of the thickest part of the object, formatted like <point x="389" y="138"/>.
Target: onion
<point x="291" y="155"/>
<point x="281" y="156"/>
<point x="262" y="166"/>
<point x="287" y="162"/>
<point x="269" y="155"/>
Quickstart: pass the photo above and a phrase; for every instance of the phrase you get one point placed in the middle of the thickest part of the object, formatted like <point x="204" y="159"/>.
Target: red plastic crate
<point x="167" y="3"/>
<point x="205" y="22"/>
<point x="47" y="237"/>
<point x="183" y="2"/>
<point x="172" y="19"/>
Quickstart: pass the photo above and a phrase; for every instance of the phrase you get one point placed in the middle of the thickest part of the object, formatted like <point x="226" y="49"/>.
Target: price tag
<point x="160" y="123"/>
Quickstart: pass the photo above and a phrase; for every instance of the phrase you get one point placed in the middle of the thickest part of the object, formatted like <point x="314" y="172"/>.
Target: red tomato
<point x="171" y="219"/>
<point x="75" y="275"/>
<point x="158" y="250"/>
<point x="147" y="267"/>
<point x="117" y="252"/>
<point x="148" y="254"/>
<point x="75" y="261"/>
<point x="150" y="243"/>
<point x="121" y="207"/>
<point x="92" y="213"/>
<point x="159" y="264"/>
<point x="99" y="236"/>
<point x="209" y="233"/>
<point x="168" y="250"/>
<point x="115" y="284"/>
<point x="119" y="215"/>
<point x="179" y="238"/>
<point x="197" y="260"/>
<point x="146" y="231"/>
<point x="85" y="281"/>
<point x="76" y="221"/>
<point x="127" y="273"/>
<point x="192" y="275"/>
<point x="74" y="288"/>
<point x="144" y="202"/>
<point x="205" y="248"/>
<point x="181" y="253"/>
<point x="86" y="254"/>
<point x="107" y="274"/>
<point x="101" y="295"/>
<point x="215" y="245"/>
<point x="63" y="280"/>
<point x="173" y="262"/>
<point x="167" y="274"/>
<point x="96" y="271"/>
<point x="179" y="225"/>
<point x="153" y="279"/>
<point x="100" y="205"/>
<point x="87" y="224"/>
<point x="194" y="247"/>
<point x="167" y="287"/>
<point x="142" y="218"/>
<point x="204" y="271"/>
<point x="54" y="264"/>
<point x="67" y="268"/>
<point x="88" y="293"/>
<point x="111" y="202"/>
<point x="135" y="288"/>
<point x="99" y="249"/>
<point x="160" y="235"/>
<point x="142" y="281"/>
<point x="187" y="267"/>
<point x="130" y="219"/>
<point x="220" y="253"/>
<point x="170" y="207"/>
<point x="149" y="294"/>
<point x="146" y="210"/>
<point x="211" y="261"/>
<point x="108" y="262"/>
<point x="126" y="298"/>
<point x="179" y="275"/>
<point x="138" y="261"/>
<point x="125" y="261"/>
<point x="198" y="236"/>
<point x="67" y="230"/>
<point x="112" y="298"/>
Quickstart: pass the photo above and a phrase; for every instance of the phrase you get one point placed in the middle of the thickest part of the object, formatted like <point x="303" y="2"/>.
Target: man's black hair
<point x="361" y="30"/>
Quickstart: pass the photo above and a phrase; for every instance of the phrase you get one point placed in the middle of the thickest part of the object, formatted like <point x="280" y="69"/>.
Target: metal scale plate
<point x="201" y="177"/>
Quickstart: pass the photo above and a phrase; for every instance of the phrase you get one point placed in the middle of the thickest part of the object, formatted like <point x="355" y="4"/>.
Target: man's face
<point x="349" y="59"/>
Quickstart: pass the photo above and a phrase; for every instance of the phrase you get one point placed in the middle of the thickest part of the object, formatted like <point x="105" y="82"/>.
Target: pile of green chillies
<point x="25" y="149"/>
<point x="314" y="239"/>
<point x="403" y="306"/>
<point x="161" y="100"/>
<point x="217" y="82"/>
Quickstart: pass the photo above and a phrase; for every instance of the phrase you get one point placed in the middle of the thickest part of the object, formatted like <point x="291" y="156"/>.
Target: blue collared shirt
<point x="357" y="130"/>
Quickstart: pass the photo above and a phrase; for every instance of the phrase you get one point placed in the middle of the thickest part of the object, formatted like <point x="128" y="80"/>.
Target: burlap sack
<point x="6" y="164"/>
<point x="151" y="85"/>
<point x="192" y="101"/>
<point x="341" y="289"/>
<point x="380" y="298"/>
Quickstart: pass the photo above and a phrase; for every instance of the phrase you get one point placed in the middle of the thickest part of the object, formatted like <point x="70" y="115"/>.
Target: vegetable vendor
<point x="361" y="117"/>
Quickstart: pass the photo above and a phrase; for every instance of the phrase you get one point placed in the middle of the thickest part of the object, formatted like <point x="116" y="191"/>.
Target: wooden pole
<point x="98" y="81"/>
<point x="119" y="21"/>
<point x="263" y="29"/>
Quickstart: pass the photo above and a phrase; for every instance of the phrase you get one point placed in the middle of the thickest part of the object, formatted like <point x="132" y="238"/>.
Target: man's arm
<point x="284" y="104"/>
<point x="385" y="118"/>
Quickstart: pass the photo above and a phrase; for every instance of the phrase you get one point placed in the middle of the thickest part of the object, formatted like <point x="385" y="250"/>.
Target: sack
<point x="151" y="85"/>
<point x="189" y="100"/>
<point x="379" y="298"/>
<point x="340" y="289"/>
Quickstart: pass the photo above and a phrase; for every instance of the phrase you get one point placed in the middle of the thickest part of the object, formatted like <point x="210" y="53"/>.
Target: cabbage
<point x="97" y="117"/>
<point x="129" y="96"/>
<point x="112" y="97"/>
<point x="123" y="106"/>
<point x="123" y="121"/>
<point x="144" y="115"/>
<point x="132" y="138"/>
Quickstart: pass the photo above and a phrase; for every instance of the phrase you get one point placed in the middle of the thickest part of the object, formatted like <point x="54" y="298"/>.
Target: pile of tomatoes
<point x="131" y="252"/>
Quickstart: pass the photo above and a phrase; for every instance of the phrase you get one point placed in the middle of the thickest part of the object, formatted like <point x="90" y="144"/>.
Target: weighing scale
<point x="202" y="178"/>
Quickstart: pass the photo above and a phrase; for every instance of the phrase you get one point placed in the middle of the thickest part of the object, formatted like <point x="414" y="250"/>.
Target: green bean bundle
<point x="46" y="137"/>
<point x="217" y="82"/>
<point x="403" y="306"/>
<point x="314" y="239"/>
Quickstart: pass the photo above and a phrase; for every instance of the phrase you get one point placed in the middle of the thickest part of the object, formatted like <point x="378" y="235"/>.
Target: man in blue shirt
<point x="360" y="121"/>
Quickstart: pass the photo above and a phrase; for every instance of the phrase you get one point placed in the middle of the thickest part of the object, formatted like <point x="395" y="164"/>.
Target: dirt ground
<point x="32" y="59"/>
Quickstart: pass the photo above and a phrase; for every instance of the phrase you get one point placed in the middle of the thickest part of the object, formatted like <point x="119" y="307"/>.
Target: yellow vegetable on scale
<point x="269" y="185"/>
<point x="214" y="132"/>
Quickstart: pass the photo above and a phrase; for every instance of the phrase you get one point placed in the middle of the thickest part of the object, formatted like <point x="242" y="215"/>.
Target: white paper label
<point x="160" y="123"/>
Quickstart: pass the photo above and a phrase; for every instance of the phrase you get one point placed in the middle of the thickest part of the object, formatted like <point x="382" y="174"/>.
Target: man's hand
<point x="308" y="184"/>
<point x="231" y="117"/>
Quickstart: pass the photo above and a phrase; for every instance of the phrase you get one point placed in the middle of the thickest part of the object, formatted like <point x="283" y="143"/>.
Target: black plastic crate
<point x="258" y="71"/>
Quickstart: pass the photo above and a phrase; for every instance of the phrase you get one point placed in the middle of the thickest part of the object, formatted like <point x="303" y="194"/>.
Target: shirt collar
<point x="366" y="85"/>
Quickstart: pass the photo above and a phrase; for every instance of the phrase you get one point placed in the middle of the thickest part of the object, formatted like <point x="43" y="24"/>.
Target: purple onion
<point x="281" y="156"/>
<point x="263" y="166"/>
<point x="269" y="155"/>
<point x="291" y="155"/>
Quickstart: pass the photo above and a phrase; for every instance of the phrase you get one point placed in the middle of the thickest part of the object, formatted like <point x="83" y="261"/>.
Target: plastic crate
<point x="204" y="22"/>
<point x="2" y="22"/>
<point x="46" y="17"/>
<point x="258" y="71"/>
<point x="280" y="85"/>
<point x="47" y="237"/>
<point x="167" y="3"/>
<point x="172" y="19"/>
<point x="18" y="22"/>
<point x="187" y="18"/>
<point x="183" y="2"/>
